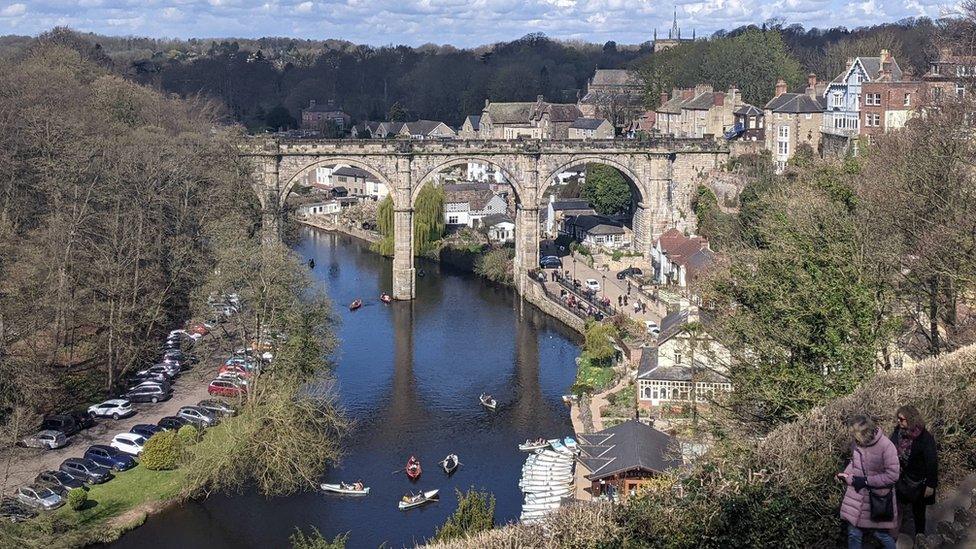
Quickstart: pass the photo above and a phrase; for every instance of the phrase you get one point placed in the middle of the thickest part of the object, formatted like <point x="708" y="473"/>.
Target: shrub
<point x="162" y="451"/>
<point x="188" y="435"/>
<point x="315" y="540"/>
<point x="475" y="513"/>
<point x="617" y="254"/>
<point x="497" y="265"/>
<point x="77" y="498"/>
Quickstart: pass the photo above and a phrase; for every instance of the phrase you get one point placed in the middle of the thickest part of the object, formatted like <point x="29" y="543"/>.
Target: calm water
<point x="409" y="375"/>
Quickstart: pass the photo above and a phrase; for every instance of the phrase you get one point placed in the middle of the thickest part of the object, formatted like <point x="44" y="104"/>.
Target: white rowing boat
<point x="488" y="401"/>
<point x="346" y="489"/>
<point x="542" y="500"/>
<point x="530" y="446"/>
<point x="549" y="489"/>
<point x="540" y="507"/>
<point x="413" y="500"/>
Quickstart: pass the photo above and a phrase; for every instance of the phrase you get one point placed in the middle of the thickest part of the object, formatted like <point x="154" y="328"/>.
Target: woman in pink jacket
<point x="873" y="468"/>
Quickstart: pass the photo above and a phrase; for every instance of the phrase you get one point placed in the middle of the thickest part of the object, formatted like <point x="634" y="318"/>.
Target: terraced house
<point x="539" y="120"/>
<point x="793" y="120"/>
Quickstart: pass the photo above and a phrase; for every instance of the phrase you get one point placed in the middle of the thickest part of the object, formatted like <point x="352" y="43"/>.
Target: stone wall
<point x="534" y="293"/>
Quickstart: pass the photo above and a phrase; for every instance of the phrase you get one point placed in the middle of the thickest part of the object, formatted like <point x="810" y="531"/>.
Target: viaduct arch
<point x="664" y="173"/>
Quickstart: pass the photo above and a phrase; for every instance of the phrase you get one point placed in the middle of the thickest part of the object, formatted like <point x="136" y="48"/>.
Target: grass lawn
<point x="622" y="403"/>
<point x="112" y="509"/>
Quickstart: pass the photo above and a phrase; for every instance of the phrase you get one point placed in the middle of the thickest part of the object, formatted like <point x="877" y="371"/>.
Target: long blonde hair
<point x="863" y="429"/>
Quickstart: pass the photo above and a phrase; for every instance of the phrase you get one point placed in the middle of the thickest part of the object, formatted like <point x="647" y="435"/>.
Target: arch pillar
<point x="643" y="224"/>
<point x="404" y="273"/>
<point x="527" y="225"/>
<point x="270" y="199"/>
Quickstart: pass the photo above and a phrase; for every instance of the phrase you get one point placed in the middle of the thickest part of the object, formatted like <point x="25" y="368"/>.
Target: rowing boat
<point x="450" y="463"/>
<point x="570" y="444"/>
<point x="543" y="500"/>
<point x="385" y="298"/>
<point x="355" y="304"/>
<point x="413" y="468"/>
<point x="531" y="446"/>
<point x="487" y="401"/>
<point x="413" y="500"/>
<point x="346" y="489"/>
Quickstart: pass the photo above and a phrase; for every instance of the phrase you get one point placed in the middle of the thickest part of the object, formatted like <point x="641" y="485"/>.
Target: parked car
<point x="592" y="285"/>
<point x="158" y="372"/>
<point x="109" y="457"/>
<point x="45" y="439"/>
<point x="115" y="408"/>
<point x="149" y="393"/>
<point x="164" y="384"/>
<point x="83" y="417"/>
<point x="179" y="356"/>
<point x="224" y="387"/>
<point x="550" y="262"/>
<point x="217" y="407"/>
<point x="64" y="423"/>
<point x="235" y="369"/>
<point x="129" y="443"/>
<point x="13" y="510"/>
<point x="198" y="416"/>
<point x="86" y="470"/>
<point x="172" y="423"/>
<point x="145" y="430"/>
<point x="233" y="377"/>
<point x="40" y="497"/>
<point x="629" y="271"/>
<point x="651" y="327"/>
<point x="59" y="481"/>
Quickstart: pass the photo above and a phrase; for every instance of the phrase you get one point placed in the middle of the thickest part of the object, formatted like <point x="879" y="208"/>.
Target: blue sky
<point x="463" y="23"/>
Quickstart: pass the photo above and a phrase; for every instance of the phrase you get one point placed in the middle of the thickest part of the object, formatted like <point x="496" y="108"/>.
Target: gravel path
<point x="19" y="466"/>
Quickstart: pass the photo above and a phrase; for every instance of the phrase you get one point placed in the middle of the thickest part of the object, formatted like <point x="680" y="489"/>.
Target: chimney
<point x="885" y="56"/>
<point x="780" y="87"/>
<point x="812" y="80"/>
<point x="487" y="102"/>
<point x="539" y="98"/>
<point x="718" y="99"/>
<point x="311" y="103"/>
<point x="688" y="94"/>
<point x="664" y="97"/>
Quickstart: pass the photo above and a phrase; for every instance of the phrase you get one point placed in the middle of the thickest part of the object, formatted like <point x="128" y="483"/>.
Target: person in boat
<point x="358" y="486"/>
<point x="311" y="263"/>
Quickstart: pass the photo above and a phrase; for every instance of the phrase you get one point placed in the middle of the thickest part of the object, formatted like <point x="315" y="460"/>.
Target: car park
<point x="233" y="377"/>
<point x="629" y="271"/>
<point x="145" y="430"/>
<point x="115" y="408"/>
<point x="217" y="407"/>
<point x="227" y="388"/>
<point x="200" y="417"/>
<point x="109" y="457"/>
<point x="59" y="481"/>
<point x="45" y="439"/>
<point x="40" y="497"/>
<point x="172" y="423"/>
<point x="13" y="510"/>
<point x="83" y="418"/>
<point x="130" y="443"/>
<point x="176" y="355"/>
<point x="235" y="370"/>
<point x="592" y="285"/>
<point x="149" y="393"/>
<point x="86" y="470"/>
<point x="64" y="423"/>
<point x="145" y="375"/>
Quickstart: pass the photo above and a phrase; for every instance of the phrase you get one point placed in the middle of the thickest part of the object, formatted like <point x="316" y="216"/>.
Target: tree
<point x="315" y="540"/>
<point x="606" y="189"/>
<point x="475" y="513"/>
<point x="396" y="113"/>
<point x="599" y="342"/>
<point x="428" y="222"/>
<point x="279" y="119"/>
<point x="162" y="451"/>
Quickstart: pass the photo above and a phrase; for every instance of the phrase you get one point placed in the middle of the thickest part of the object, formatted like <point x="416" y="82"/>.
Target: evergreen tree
<point x="475" y="513"/>
<point x="606" y="189"/>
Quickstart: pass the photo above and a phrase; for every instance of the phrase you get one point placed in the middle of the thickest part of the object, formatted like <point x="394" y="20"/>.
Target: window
<point x="783" y="148"/>
<point x="937" y="93"/>
<point x="960" y="89"/>
<point x="908" y="99"/>
<point x="784" y="132"/>
<point x="452" y="220"/>
<point x="872" y="99"/>
<point x="677" y="357"/>
<point x="872" y="120"/>
<point x="837" y="99"/>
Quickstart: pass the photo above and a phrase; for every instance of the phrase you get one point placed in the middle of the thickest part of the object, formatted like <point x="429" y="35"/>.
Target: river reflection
<point x="409" y="375"/>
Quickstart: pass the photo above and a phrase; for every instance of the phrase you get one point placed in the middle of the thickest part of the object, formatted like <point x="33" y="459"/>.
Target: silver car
<point x="45" y="439"/>
<point x="201" y="417"/>
<point x="39" y="496"/>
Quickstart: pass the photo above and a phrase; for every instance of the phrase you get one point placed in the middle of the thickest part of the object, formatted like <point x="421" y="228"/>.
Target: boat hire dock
<point x="547" y="481"/>
<point x="619" y="459"/>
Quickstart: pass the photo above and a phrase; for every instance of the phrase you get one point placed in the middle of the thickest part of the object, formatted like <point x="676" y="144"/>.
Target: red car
<point x="234" y="369"/>
<point x="224" y="387"/>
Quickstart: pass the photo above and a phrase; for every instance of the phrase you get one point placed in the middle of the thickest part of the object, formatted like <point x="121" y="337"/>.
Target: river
<point x="409" y="375"/>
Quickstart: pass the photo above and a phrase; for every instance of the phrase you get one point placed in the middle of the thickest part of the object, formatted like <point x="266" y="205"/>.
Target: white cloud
<point x="304" y="7"/>
<point x="13" y="10"/>
<point x="172" y="14"/>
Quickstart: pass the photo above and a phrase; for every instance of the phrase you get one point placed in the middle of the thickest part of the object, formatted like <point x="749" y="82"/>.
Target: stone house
<point x="678" y="259"/>
<point x="554" y="119"/>
<point x="668" y="114"/>
<point x="748" y="124"/>
<point x="709" y="112"/>
<point x="595" y="231"/>
<point x="591" y="128"/>
<point x="364" y="130"/>
<point x="539" y="120"/>
<point x="425" y="129"/>
<point x="949" y="75"/>
<point x="667" y="373"/>
<point x="614" y="94"/>
<point x="470" y="127"/>
<point x="791" y="120"/>
<point x="467" y="203"/>
<point x="359" y="183"/>
<point x="387" y="130"/>
<point x="316" y="115"/>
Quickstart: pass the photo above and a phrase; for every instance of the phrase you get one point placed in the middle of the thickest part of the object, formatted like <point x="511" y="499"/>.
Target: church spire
<point x="675" y="32"/>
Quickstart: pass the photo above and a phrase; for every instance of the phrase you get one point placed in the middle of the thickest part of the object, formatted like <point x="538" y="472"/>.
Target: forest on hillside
<point x="266" y="82"/>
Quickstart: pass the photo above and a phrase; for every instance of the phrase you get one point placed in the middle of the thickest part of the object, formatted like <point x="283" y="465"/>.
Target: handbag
<point x="882" y="505"/>
<point x="909" y="489"/>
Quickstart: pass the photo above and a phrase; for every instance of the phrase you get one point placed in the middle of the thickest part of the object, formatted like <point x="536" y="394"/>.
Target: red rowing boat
<point x="413" y="468"/>
<point x="355" y="304"/>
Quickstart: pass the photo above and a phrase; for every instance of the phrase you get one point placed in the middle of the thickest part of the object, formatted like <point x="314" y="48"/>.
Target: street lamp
<point x="604" y="286"/>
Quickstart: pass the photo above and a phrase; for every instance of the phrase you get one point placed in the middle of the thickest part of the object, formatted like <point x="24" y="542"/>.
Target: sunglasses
<point x="902" y="418"/>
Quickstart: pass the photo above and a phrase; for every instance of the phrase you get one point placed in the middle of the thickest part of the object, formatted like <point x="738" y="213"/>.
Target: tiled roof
<point x="629" y="446"/>
<point x="671" y="106"/>
<point x="475" y="120"/>
<point x="588" y="123"/>
<point x="795" y="103"/>
<point x="509" y="113"/>
<point x="614" y="77"/>
<point x="595" y="224"/>
<point x="352" y="171"/>
<point x="423" y="127"/>
<point x="558" y="112"/>
<point x="475" y="195"/>
<point x="571" y="204"/>
<point x="672" y="324"/>
<point x="872" y="66"/>
<point x="747" y="110"/>
<point x="494" y="219"/>
<point x="651" y="369"/>
<point x="701" y="102"/>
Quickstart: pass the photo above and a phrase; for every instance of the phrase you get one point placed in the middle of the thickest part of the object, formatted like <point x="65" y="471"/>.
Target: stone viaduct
<point x="663" y="173"/>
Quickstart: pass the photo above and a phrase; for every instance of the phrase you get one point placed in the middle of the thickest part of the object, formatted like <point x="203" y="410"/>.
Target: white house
<point x="329" y="207"/>
<point x="466" y="203"/>
<point x="595" y="230"/>
<point x="500" y="228"/>
<point x="558" y="210"/>
<point x="680" y="362"/>
<point x="483" y="172"/>
<point x="843" y="94"/>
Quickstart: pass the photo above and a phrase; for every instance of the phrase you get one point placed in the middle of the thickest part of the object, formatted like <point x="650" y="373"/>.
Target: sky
<point x="463" y="23"/>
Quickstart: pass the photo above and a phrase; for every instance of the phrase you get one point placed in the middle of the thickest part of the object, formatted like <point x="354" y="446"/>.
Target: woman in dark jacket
<point x="918" y="457"/>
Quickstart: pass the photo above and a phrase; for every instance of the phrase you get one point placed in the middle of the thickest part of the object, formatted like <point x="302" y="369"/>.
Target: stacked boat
<point x="547" y="479"/>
